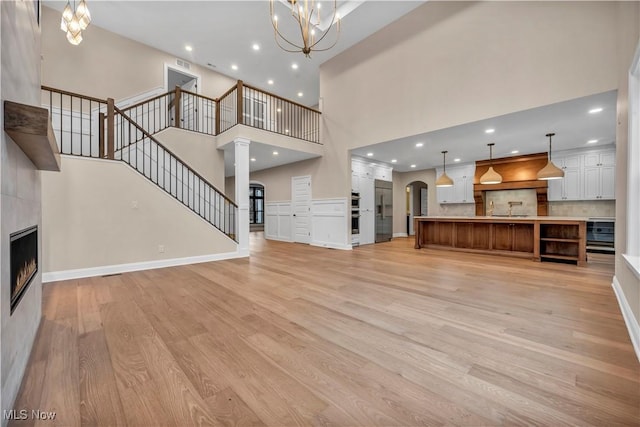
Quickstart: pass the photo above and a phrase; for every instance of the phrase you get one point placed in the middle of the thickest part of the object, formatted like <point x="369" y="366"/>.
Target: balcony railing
<point x="241" y="104"/>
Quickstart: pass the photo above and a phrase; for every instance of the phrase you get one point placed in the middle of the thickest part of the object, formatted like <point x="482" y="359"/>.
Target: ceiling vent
<point x="183" y="64"/>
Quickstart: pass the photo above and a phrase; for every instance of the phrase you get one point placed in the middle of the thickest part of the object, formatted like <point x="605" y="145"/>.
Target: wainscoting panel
<point x="329" y="223"/>
<point x="277" y="225"/>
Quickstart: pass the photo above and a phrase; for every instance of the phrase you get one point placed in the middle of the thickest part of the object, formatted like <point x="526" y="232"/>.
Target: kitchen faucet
<point x="511" y="204"/>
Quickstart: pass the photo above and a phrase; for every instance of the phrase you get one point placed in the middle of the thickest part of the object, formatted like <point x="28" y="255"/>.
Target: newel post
<point x="111" y="128"/>
<point x="240" y="96"/>
<point x="217" y="116"/>
<point x="177" y="106"/>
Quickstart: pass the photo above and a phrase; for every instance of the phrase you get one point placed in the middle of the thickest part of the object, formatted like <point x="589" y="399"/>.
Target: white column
<point x="242" y="193"/>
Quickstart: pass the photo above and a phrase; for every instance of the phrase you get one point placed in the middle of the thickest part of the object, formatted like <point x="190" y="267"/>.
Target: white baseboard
<point x="629" y="319"/>
<point x="279" y="239"/>
<point x="80" y="273"/>
<point x="400" y="235"/>
<point x="332" y="246"/>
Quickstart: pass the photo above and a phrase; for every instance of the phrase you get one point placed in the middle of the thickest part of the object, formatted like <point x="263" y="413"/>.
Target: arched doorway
<point x="256" y="206"/>
<point x="417" y="202"/>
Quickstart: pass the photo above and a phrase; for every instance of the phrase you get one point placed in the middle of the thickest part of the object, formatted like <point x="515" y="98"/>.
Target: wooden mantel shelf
<point x="30" y="128"/>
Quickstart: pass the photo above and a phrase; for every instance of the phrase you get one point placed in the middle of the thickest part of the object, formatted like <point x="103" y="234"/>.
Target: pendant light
<point x="491" y="176"/>
<point x="444" y="180"/>
<point x="550" y="171"/>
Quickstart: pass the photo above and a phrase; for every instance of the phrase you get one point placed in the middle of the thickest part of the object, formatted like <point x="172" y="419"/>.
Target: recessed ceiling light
<point x="275" y="153"/>
<point x="394" y="160"/>
<point x="592" y="141"/>
<point x="188" y="48"/>
<point x="515" y="151"/>
<point x="419" y="144"/>
<point x="595" y="110"/>
<point x="300" y="94"/>
<point x="456" y="160"/>
<point x="369" y="154"/>
<point x="413" y="166"/>
<point x="489" y="131"/>
<point x="234" y="67"/>
<point x="270" y="81"/>
<point x="256" y="46"/>
<point x="253" y="159"/>
<point x="294" y="66"/>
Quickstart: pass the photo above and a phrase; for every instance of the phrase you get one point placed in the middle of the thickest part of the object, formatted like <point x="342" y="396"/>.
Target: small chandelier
<point x="444" y="180"/>
<point x="491" y="176"/>
<point x="550" y="171"/>
<point x="307" y="16"/>
<point x="74" y="22"/>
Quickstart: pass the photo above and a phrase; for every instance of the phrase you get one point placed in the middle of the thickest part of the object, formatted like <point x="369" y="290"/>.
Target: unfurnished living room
<point x="320" y="212"/>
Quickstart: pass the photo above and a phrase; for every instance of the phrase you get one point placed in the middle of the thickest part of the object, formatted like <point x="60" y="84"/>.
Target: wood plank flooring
<point x="297" y="335"/>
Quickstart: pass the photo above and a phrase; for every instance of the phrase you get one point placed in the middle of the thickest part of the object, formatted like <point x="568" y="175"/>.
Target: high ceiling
<point x="523" y="131"/>
<point x="222" y="33"/>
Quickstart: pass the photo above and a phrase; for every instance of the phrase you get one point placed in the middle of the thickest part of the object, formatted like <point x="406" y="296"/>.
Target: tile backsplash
<point x="502" y="198"/>
<point x="586" y="208"/>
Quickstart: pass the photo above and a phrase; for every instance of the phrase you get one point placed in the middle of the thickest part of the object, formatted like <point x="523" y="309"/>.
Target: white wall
<point x="104" y="213"/>
<point x="20" y="192"/>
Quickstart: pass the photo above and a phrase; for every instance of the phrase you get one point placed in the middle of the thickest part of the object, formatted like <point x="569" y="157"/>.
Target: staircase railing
<point x="79" y="125"/>
<point x="241" y="104"/>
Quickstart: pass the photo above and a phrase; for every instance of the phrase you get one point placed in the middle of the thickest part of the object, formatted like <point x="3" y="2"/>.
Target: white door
<point x="301" y="201"/>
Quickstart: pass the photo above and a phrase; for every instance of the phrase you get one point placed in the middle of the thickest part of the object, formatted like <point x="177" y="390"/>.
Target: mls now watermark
<point x="24" y="414"/>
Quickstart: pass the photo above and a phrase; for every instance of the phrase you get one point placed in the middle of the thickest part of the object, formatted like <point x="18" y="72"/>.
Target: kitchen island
<point x="540" y="238"/>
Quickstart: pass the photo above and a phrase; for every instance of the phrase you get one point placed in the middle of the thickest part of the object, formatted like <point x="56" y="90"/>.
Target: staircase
<point x="92" y="127"/>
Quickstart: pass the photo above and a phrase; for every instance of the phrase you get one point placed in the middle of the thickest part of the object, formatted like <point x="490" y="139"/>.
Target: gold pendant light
<point x="550" y="171"/>
<point x="491" y="176"/>
<point x="444" y="180"/>
<point x="306" y="14"/>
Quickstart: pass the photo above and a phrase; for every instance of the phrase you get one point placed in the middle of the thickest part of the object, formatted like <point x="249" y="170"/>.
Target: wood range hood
<point x="518" y="173"/>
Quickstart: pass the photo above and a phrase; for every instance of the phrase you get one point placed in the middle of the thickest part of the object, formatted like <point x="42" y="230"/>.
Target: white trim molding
<point x="400" y="235"/>
<point x="629" y="319"/>
<point x="80" y="273"/>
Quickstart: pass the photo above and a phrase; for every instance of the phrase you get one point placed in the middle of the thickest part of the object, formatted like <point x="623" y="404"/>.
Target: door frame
<point x="180" y="70"/>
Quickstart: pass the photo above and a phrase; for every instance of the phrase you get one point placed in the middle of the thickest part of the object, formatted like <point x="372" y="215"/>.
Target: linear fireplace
<point x="24" y="262"/>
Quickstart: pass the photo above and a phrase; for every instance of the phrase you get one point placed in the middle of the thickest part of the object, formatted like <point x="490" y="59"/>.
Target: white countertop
<point x="507" y="218"/>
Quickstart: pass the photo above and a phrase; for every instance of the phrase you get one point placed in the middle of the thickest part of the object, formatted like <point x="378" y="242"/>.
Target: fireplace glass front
<point x="24" y="262"/>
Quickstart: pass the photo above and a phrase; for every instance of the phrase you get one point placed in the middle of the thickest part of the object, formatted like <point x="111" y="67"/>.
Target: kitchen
<point x="583" y="147"/>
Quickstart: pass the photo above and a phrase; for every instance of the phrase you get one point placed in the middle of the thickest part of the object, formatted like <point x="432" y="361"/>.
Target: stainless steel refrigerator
<point x="384" y="211"/>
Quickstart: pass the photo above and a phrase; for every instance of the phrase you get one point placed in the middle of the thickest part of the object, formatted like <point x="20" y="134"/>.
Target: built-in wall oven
<point x="601" y="235"/>
<point x="355" y="218"/>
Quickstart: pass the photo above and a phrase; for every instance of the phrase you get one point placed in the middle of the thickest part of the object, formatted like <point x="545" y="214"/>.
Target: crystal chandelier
<point x="307" y="16"/>
<point x="74" y="22"/>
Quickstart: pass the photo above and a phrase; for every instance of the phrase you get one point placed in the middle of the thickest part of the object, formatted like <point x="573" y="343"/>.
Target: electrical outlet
<point x="134" y="204"/>
<point x="161" y="249"/>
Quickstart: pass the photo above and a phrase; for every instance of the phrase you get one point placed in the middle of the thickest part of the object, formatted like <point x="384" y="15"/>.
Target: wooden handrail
<point x="227" y="93"/>
<point x="282" y="99"/>
<point x="185" y="164"/>
<point x="77" y="95"/>
<point x="199" y="96"/>
<point x="146" y="101"/>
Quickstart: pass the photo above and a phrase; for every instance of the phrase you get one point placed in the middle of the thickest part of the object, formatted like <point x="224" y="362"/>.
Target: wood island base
<point x="539" y="238"/>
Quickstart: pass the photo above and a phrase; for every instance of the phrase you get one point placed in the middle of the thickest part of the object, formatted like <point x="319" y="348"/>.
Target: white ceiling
<point x="222" y="33"/>
<point x="523" y="131"/>
<point x="264" y="157"/>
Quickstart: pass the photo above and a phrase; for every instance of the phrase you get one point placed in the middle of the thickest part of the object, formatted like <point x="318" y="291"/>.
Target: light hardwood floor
<point x="297" y="335"/>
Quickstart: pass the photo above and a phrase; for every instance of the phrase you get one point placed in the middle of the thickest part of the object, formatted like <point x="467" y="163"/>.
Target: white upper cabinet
<point x="462" y="190"/>
<point x="588" y="175"/>
<point x="599" y="175"/>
